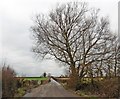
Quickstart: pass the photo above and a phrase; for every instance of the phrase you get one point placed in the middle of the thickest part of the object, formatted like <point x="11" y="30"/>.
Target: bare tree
<point x="8" y="81"/>
<point x="74" y="35"/>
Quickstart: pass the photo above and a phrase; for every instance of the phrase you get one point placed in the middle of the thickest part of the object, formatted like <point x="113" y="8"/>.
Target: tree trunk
<point x="74" y="78"/>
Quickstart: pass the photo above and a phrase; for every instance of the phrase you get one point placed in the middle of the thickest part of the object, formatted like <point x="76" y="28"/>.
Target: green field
<point x="35" y="78"/>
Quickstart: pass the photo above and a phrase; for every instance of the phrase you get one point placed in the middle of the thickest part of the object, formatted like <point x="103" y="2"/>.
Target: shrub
<point x="109" y="87"/>
<point x="8" y="82"/>
<point x="88" y="85"/>
<point x="81" y="86"/>
<point x="19" y="83"/>
<point x="21" y="92"/>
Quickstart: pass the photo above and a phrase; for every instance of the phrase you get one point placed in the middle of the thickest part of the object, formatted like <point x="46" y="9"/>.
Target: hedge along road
<point x="52" y="89"/>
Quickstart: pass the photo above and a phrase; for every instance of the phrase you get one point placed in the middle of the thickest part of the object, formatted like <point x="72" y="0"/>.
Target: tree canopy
<point x="75" y="35"/>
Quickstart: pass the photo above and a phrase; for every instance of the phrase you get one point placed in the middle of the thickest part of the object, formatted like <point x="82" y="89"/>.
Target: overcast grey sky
<point x="15" y="36"/>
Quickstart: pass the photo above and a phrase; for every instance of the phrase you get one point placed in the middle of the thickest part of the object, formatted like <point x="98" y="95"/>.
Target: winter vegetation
<point x="78" y="37"/>
<point x="13" y="86"/>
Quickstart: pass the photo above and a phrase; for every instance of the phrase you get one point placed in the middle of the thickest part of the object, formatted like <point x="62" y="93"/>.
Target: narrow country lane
<point x="52" y="89"/>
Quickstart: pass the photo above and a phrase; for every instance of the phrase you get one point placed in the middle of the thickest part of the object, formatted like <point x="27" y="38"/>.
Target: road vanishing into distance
<point x="52" y="89"/>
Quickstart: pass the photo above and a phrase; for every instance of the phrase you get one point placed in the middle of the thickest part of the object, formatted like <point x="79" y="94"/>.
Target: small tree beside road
<point x="8" y="81"/>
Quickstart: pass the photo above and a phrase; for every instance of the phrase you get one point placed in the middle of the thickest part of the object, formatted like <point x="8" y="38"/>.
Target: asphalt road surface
<point x="52" y="89"/>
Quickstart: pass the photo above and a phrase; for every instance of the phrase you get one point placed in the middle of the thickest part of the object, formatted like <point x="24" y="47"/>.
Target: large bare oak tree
<point x="74" y="35"/>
